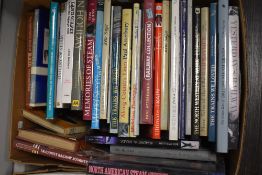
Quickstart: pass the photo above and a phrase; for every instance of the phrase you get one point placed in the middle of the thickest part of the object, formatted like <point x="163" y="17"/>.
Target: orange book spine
<point x="157" y="79"/>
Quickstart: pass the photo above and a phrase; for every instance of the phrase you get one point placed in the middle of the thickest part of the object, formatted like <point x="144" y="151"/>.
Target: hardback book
<point x="89" y="59"/>
<point x="223" y="73"/>
<point x="165" y="65"/>
<point x="212" y="99"/>
<point x="174" y="71"/>
<point x="196" y="74"/>
<point x="147" y="78"/>
<point x="62" y="124"/>
<point x="52" y="55"/>
<point x="183" y="73"/>
<point x="115" y="68"/>
<point x="125" y="74"/>
<point x="60" y="57"/>
<point x="97" y="66"/>
<point x="105" y="60"/>
<point x="189" y="62"/>
<point x="38" y="87"/>
<point x="157" y="71"/>
<point x="68" y="51"/>
<point x="234" y="78"/>
<point x="204" y="66"/>
<point x="135" y="76"/>
<point x="78" y="55"/>
<point x="29" y="47"/>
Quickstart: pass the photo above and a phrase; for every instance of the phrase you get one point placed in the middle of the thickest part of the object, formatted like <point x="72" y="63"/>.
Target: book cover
<point x="78" y="56"/>
<point x="115" y="68"/>
<point x="157" y="70"/>
<point x="52" y="54"/>
<point x="223" y="60"/>
<point x="174" y="71"/>
<point x="97" y="67"/>
<point x="147" y="78"/>
<point x="135" y="76"/>
<point x="68" y="51"/>
<point x="165" y="65"/>
<point x="38" y="87"/>
<point x="125" y="74"/>
<point x="212" y="100"/>
<point x="189" y="67"/>
<point x="196" y="74"/>
<point x="234" y="80"/>
<point x="105" y="60"/>
<point x="89" y="59"/>
<point x="204" y="66"/>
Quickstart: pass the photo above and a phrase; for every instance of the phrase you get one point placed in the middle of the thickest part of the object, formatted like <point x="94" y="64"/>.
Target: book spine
<point x="51" y="152"/>
<point x="135" y="71"/>
<point x="68" y="51"/>
<point x="115" y="70"/>
<point x="234" y="82"/>
<point x="54" y="11"/>
<point x="196" y="75"/>
<point x="204" y="71"/>
<point x="189" y="67"/>
<point x="165" y="65"/>
<point x="89" y="59"/>
<point x="105" y="60"/>
<point x="97" y="65"/>
<point x="174" y="71"/>
<point x="183" y="61"/>
<point x="157" y="71"/>
<point x="212" y="100"/>
<point x="147" y="64"/>
<point x="126" y="58"/>
<point x="60" y="59"/>
<point x="29" y="48"/>
<point x="222" y="100"/>
<point x="77" y="75"/>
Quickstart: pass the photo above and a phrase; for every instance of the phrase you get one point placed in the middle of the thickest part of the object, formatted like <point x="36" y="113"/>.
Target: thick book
<point x="97" y="67"/>
<point x="89" y="59"/>
<point x="78" y="55"/>
<point x="38" y="87"/>
<point x="147" y="78"/>
<point x="52" y="55"/>
<point x="157" y="71"/>
<point x="212" y="99"/>
<point x="234" y="78"/>
<point x="204" y="66"/>
<point x="223" y="60"/>
<point x="125" y="74"/>
<point x="105" y="60"/>
<point x="196" y="74"/>
<point x="174" y="71"/>
<point x="115" y="68"/>
<point x="165" y="65"/>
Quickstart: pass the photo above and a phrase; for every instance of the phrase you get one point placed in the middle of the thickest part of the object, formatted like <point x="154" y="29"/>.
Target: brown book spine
<point x="147" y="63"/>
<point x="29" y="57"/>
<point x="51" y="152"/>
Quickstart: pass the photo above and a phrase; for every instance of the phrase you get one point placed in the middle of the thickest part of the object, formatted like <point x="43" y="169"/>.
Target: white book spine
<point x="68" y="51"/>
<point x="174" y="71"/>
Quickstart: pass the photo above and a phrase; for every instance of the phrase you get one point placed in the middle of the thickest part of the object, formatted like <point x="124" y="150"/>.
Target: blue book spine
<point x="223" y="61"/>
<point x="97" y="65"/>
<point x="212" y="100"/>
<point x="52" y="59"/>
<point x="183" y="55"/>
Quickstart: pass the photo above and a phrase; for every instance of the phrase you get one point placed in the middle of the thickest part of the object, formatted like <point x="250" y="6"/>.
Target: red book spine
<point x="157" y="73"/>
<point x="89" y="57"/>
<point x="147" y="63"/>
<point x="51" y="152"/>
<point x="29" y="57"/>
